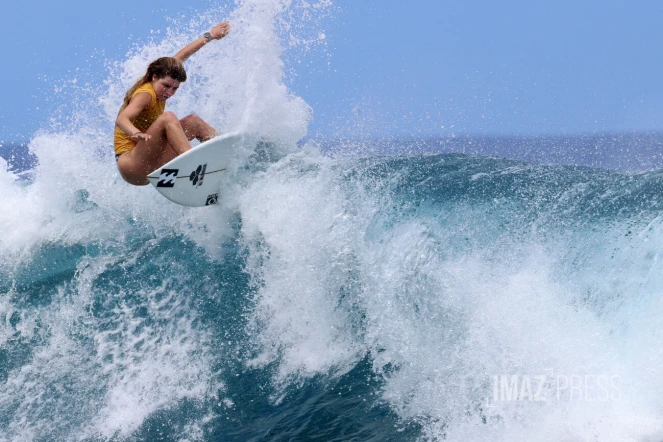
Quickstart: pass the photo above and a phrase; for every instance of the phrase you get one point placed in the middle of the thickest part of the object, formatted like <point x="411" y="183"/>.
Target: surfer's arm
<point x="217" y="32"/>
<point x="138" y="103"/>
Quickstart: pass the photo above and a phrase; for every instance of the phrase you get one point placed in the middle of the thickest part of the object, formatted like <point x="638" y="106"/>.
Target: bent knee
<point x="191" y="119"/>
<point x="168" y="117"/>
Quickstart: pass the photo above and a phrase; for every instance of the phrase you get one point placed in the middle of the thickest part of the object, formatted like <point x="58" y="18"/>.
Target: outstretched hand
<point x="221" y="30"/>
<point x="217" y="32"/>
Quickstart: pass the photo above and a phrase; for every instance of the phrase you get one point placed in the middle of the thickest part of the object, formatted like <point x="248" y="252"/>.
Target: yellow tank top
<point x="124" y="143"/>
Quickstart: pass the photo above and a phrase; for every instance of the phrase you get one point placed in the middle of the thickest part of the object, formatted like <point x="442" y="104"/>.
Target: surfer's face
<point x="165" y="87"/>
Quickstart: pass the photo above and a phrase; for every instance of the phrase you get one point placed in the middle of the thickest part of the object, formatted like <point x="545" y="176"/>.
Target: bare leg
<point x="195" y="127"/>
<point x="167" y="141"/>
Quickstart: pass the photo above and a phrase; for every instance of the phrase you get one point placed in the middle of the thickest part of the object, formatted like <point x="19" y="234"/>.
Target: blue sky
<point x="396" y="68"/>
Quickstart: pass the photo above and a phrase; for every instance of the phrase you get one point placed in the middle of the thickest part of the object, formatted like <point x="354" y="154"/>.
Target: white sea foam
<point x="103" y="376"/>
<point x="295" y="224"/>
<point x="335" y="277"/>
<point x="106" y="383"/>
<point x="440" y="323"/>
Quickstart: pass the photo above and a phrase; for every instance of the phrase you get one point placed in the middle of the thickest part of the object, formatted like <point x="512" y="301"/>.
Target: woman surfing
<point x="146" y="137"/>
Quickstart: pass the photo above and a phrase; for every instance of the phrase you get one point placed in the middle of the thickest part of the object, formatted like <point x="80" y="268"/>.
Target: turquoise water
<point x="460" y="289"/>
<point x="333" y="298"/>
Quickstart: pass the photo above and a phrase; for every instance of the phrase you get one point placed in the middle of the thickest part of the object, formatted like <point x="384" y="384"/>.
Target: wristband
<point x="208" y="36"/>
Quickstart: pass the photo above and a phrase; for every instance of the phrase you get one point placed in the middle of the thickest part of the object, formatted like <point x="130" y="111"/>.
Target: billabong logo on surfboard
<point x="167" y="177"/>
<point x="193" y="178"/>
<point x="197" y="175"/>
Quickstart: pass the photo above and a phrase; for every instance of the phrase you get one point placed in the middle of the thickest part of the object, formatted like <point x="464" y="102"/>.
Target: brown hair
<point x="161" y="67"/>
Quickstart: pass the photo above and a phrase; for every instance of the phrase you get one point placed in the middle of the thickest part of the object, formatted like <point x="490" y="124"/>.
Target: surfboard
<point x="194" y="178"/>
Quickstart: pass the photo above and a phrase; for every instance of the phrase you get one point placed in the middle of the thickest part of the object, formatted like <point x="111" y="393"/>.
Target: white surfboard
<point x="194" y="178"/>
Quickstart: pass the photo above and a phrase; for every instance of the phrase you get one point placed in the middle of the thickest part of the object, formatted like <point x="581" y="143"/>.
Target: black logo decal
<point x="197" y="175"/>
<point x="212" y="199"/>
<point x="167" y="177"/>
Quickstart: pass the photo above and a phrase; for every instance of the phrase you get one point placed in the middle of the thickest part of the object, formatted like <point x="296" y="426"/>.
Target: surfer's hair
<point x="161" y="67"/>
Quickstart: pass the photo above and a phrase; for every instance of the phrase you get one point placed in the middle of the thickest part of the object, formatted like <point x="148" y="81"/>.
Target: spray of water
<point x="346" y="259"/>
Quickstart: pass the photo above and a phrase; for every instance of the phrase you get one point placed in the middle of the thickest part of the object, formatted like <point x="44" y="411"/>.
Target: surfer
<point x="146" y="137"/>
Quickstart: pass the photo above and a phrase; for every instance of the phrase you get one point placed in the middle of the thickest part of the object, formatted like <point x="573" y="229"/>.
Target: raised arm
<point x="216" y="33"/>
